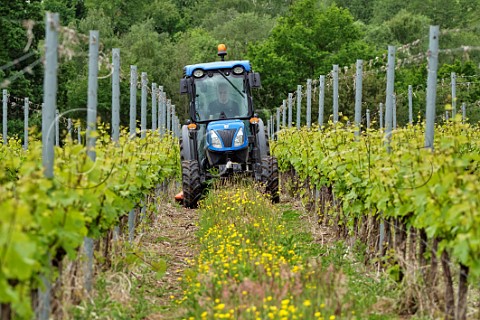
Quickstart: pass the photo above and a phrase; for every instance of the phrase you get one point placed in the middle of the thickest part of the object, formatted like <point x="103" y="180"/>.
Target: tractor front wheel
<point x="270" y="177"/>
<point x="192" y="187"/>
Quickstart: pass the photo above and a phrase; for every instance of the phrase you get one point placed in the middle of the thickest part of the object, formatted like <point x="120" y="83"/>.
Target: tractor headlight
<point x="198" y="73"/>
<point x="238" y="70"/>
<point x="215" y="139"/>
<point x="239" y="138"/>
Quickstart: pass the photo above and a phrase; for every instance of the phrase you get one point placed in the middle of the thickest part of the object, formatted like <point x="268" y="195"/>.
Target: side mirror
<point x="254" y="79"/>
<point x="183" y="86"/>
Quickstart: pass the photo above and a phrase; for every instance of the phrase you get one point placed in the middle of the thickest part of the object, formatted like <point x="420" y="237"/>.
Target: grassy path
<point x="237" y="257"/>
<point x="258" y="261"/>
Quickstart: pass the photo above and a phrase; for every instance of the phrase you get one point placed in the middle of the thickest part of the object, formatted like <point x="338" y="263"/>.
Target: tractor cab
<point x="223" y="135"/>
<point x="219" y="91"/>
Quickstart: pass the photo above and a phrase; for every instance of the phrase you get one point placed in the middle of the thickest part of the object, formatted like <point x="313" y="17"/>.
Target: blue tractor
<point x="223" y="135"/>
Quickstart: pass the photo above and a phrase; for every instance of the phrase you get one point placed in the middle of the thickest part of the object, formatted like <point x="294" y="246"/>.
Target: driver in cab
<point x="223" y="103"/>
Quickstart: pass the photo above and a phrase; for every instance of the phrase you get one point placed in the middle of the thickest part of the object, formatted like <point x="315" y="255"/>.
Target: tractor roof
<point x="217" y="65"/>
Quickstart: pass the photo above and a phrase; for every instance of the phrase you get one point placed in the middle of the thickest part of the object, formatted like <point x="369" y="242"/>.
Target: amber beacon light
<point x="222" y="51"/>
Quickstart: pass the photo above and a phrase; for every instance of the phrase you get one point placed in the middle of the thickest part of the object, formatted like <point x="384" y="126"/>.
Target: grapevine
<point x="435" y="191"/>
<point x="42" y="220"/>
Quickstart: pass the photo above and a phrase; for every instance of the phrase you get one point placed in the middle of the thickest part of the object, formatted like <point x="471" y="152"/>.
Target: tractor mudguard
<point x="262" y="141"/>
<point x="187" y="151"/>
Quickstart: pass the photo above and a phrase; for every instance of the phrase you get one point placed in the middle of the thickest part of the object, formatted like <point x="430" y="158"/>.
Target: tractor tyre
<point x="270" y="178"/>
<point x="192" y="187"/>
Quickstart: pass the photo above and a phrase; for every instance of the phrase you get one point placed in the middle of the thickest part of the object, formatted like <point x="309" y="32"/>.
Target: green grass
<point x="104" y="306"/>
<point x="313" y="281"/>
<point x="364" y="289"/>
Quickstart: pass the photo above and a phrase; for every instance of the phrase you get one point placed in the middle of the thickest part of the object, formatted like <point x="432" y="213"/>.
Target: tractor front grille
<point x="227" y="136"/>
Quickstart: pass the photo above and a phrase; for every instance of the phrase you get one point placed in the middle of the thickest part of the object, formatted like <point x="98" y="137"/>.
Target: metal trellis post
<point x="173" y="114"/>
<point x="299" y="105"/>
<point x="431" y="86"/>
<point x="309" y="103"/>
<point x="69" y="128"/>
<point x="278" y="122"/>
<point x="169" y="110"/>
<point x="290" y="109"/>
<point x="49" y="105"/>
<point x="90" y="137"/>
<point x="143" y="113"/>
<point x="133" y="101"/>
<point x="163" y="112"/>
<point x="116" y="94"/>
<point x="5" y="111"/>
<point x="116" y="110"/>
<point x="389" y="92"/>
<point x="358" y="96"/>
<point x="26" y="107"/>
<point x="321" y="101"/>
<point x="154" y="107"/>
<point x="410" y="104"/>
<point x="454" y="94"/>
<point x="368" y="118"/>
<point x="159" y="109"/>
<point x="50" y="91"/>
<point x="335" y="93"/>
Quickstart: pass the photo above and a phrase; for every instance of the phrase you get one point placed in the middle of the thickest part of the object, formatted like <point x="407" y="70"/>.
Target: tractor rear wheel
<point x="270" y="178"/>
<point x="192" y="187"/>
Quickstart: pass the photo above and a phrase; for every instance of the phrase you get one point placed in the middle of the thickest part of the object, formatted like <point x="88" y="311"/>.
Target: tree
<point x="211" y="13"/>
<point x="165" y="15"/>
<point x="407" y="27"/>
<point x="360" y="9"/>
<point x="122" y="14"/>
<point x="97" y="20"/>
<point x="379" y="36"/>
<point x="445" y="13"/>
<point x="384" y="10"/>
<point x="304" y="44"/>
<point x="21" y="28"/>
<point x="245" y="29"/>
<point x="68" y="10"/>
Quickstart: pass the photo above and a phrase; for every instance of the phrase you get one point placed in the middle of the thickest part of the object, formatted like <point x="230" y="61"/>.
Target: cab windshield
<point x="220" y="95"/>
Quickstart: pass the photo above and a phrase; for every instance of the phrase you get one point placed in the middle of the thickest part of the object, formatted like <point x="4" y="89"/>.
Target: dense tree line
<point x="287" y="41"/>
